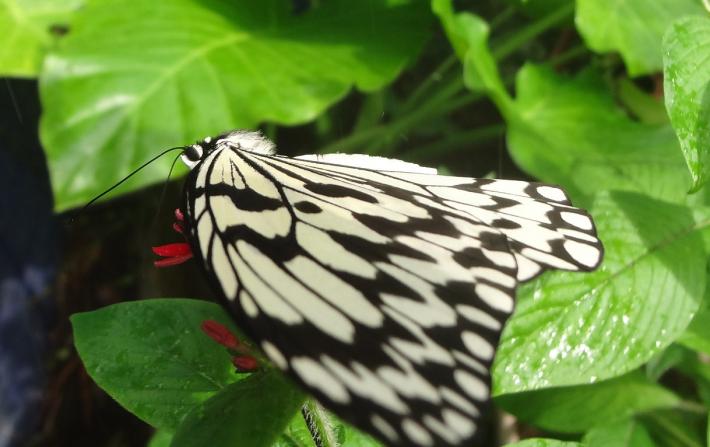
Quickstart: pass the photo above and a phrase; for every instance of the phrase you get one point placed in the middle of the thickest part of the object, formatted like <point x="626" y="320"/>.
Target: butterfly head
<point x="247" y="140"/>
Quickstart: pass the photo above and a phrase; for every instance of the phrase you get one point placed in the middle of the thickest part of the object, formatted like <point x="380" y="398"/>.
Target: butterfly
<point x="377" y="285"/>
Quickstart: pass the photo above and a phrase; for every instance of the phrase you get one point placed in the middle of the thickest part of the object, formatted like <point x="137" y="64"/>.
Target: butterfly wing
<point x="383" y="293"/>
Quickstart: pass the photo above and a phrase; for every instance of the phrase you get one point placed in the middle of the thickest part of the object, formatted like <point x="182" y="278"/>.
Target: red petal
<point x="178" y="227"/>
<point x="173" y="250"/>
<point x="245" y="363"/>
<point x="175" y="260"/>
<point x="219" y="333"/>
<point x="178" y="215"/>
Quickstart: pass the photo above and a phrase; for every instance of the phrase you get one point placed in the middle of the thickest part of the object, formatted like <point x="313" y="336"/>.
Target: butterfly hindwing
<point x="381" y="292"/>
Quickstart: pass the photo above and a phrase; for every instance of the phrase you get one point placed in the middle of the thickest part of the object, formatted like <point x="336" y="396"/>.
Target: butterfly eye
<point x="192" y="155"/>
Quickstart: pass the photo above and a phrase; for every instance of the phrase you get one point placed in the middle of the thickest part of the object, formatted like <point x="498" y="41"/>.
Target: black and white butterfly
<point x="377" y="285"/>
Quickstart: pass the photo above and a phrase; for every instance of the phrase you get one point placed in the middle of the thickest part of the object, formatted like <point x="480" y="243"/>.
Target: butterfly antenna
<point x="162" y="194"/>
<point x="135" y="171"/>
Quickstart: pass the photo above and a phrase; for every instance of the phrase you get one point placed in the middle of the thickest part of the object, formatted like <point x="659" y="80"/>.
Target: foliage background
<point x="608" y="98"/>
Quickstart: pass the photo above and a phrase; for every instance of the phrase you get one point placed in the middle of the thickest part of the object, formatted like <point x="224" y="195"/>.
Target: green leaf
<point x="578" y="408"/>
<point x="686" y="67"/>
<point x="128" y="82"/>
<point x="296" y="434"/>
<point x="697" y="336"/>
<point x="571" y="132"/>
<point x="634" y="28"/>
<point x="161" y="438"/>
<point x="576" y="328"/>
<point x="350" y="436"/>
<point x="468" y="35"/>
<point x="29" y="29"/>
<point x="152" y="357"/>
<point x="541" y="442"/>
<point x="626" y="433"/>
<point x="253" y="412"/>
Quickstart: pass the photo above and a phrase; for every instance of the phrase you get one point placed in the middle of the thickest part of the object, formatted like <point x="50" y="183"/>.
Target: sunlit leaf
<point x="687" y="86"/>
<point x="571" y="132"/>
<point x="131" y="81"/>
<point x="29" y="29"/>
<point x="633" y="28"/>
<point x="576" y="328"/>
<point x="576" y="409"/>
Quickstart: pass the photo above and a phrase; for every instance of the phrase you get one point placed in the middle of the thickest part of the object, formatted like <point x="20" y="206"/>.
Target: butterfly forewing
<point x="381" y="292"/>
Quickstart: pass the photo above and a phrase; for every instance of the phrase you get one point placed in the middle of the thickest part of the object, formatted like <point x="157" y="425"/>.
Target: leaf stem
<point x="532" y="30"/>
<point x="318" y="424"/>
<point x="692" y="407"/>
<point x="456" y="141"/>
<point x="502" y="17"/>
<point x="672" y="431"/>
<point x="567" y="56"/>
<point x="435" y="77"/>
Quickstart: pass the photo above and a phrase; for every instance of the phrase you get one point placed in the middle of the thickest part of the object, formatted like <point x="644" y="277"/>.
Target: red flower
<point x="245" y="363"/>
<point x="220" y="334"/>
<point x="174" y="254"/>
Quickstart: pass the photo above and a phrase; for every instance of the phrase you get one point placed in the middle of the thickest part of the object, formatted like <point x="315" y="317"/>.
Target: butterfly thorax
<point x="246" y="140"/>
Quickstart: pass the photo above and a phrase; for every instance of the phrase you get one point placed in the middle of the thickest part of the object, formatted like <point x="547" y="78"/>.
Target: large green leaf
<point x="626" y="433"/>
<point x="152" y="357"/>
<point x="570" y="131"/>
<point x="29" y="28"/>
<point x="130" y="81"/>
<point x="634" y="28"/>
<point x="252" y="412"/>
<point x="578" y="408"/>
<point x="576" y="328"/>
<point x="687" y="85"/>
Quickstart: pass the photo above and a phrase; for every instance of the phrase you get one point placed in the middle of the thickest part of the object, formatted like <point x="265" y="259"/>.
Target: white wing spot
<point x="417" y="433"/>
<point x="578" y="220"/>
<point x="224" y="271"/>
<point x="458" y="423"/>
<point x="478" y="316"/>
<point x="494" y="275"/>
<point x="458" y="401"/>
<point x="273" y="353"/>
<point x="495" y="298"/>
<point x="526" y="268"/>
<point x="327" y="251"/>
<point x="364" y="382"/>
<point x="500" y="258"/>
<point x="583" y="253"/>
<point x="477" y="345"/>
<point x="439" y="428"/>
<point x="337" y="292"/>
<point x="547" y="258"/>
<point x="319" y="378"/>
<point x="472" y="385"/>
<point x="470" y="362"/>
<point x="384" y="427"/>
<point x="248" y="304"/>
<point x="552" y="193"/>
